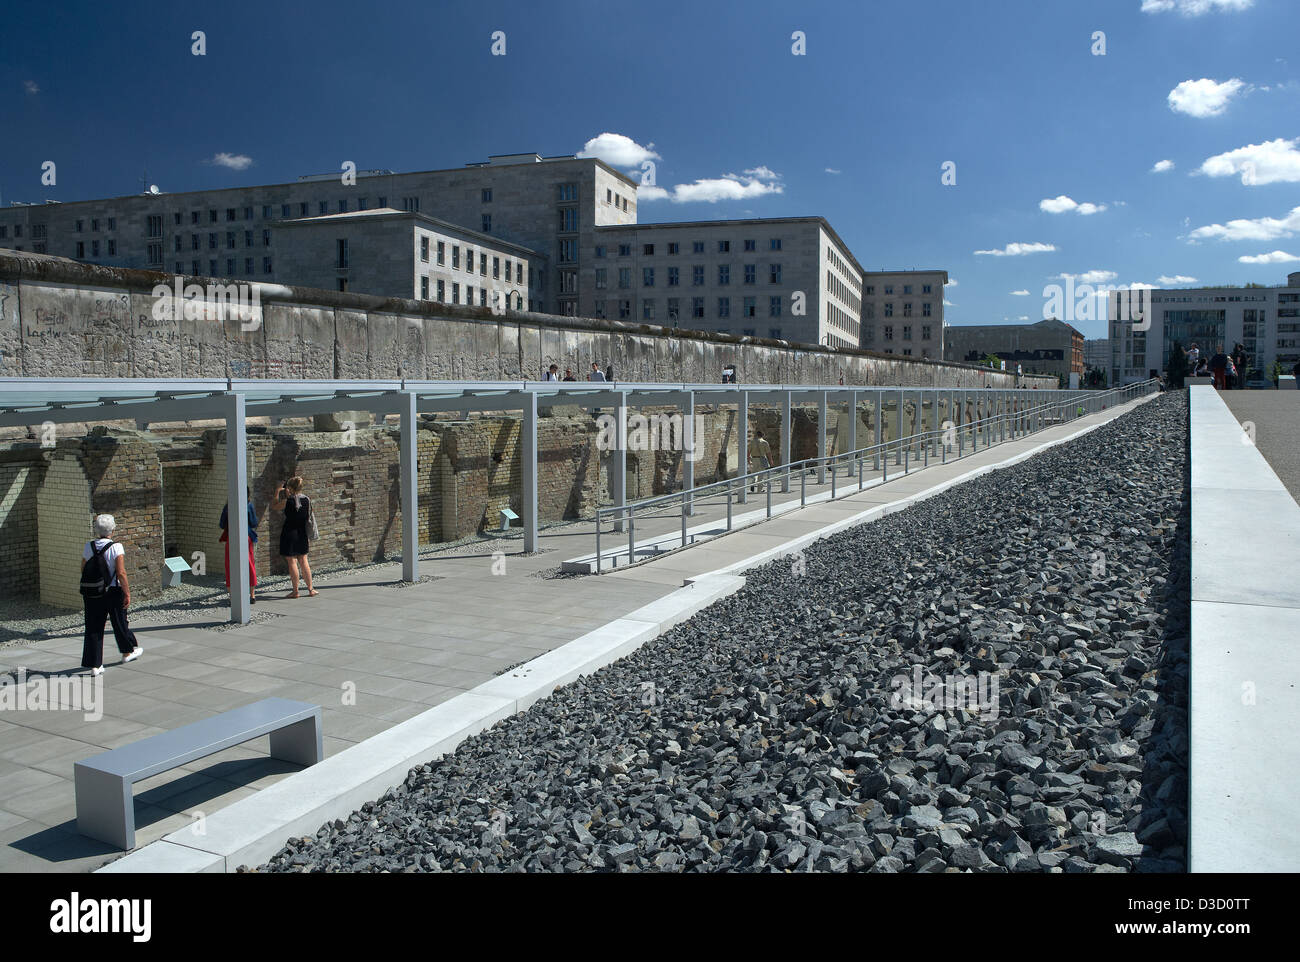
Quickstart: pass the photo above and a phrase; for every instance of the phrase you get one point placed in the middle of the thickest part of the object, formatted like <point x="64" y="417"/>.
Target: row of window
<point x="843" y="268"/>
<point x="440" y="256"/>
<point x="907" y="289"/>
<point x="843" y="291"/>
<point x="697" y="247"/>
<point x="514" y="299"/>
<point x="623" y="308"/>
<point x="196" y="267"/>
<point x="888" y="332"/>
<point x="926" y="309"/>
<point x="673" y="277"/>
<point x="618" y="200"/>
<point x="109" y="243"/>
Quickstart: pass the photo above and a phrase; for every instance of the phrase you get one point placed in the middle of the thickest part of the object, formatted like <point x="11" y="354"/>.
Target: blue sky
<point x="887" y="92"/>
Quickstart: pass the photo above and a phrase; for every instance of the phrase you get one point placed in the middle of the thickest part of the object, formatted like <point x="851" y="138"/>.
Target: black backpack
<point x="95" y="576"/>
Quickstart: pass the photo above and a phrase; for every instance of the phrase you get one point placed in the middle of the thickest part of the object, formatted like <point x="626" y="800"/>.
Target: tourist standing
<point x="107" y="594"/>
<point x="760" y="455"/>
<point x="252" y="540"/>
<point x="1219" y="367"/>
<point x="1239" y="360"/>
<point x="568" y="375"/>
<point x="596" y="373"/>
<point x="552" y="373"/>
<point x="293" y="536"/>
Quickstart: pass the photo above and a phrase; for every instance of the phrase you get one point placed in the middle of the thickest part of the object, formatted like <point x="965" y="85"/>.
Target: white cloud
<point x="1195" y="8"/>
<point x="1018" y="249"/>
<point x="1273" y="257"/>
<point x="1090" y="277"/>
<point x="31" y="87"/>
<point x="832" y="170"/>
<point x="1258" y="229"/>
<point x="1161" y="166"/>
<point x="1019" y="293"/>
<point x="1274" y="161"/>
<point x="233" y="161"/>
<point x="1166" y="280"/>
<point x="950" y="282"/>
<point x="754" y="182"/>
<point x="948" y="303"/>
<point x="1063" y="204"/>
<point x="1023" y="317"/>
<point x="650" y="192"/>
<point x="618" y="150"/>
<point x="1204" y="97"/>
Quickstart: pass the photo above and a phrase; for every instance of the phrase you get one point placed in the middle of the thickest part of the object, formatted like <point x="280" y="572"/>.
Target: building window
<point x="599" y="251"/>
<point x="697" y="307"/>
<point x="112" y="248"/>
<point x="266" y="265"/>
<point x="195" y="267"/>
<point x="907" y="288"/>
<point x="624" y="277"/>
<point x="487" y="223"/>
<point x="155" y="225"/>
<point x="774" y="333"/>
<point x="624" y="310"/>
<point x="442" y="291"/>
<point x="648" y="309"/>
<point x="455" y="293"/>
<point x="774" y="307"/>
<point x="907" y="309"/>
<point x="648" y="250"/>
<point x="79" y="226"/>
<point x="266" y="212"/>
<point x="925" y="288"/>
<point x="871" y="289"/>
<point x="751" y="245"/>
<point x="751" y="273"/>
<point x="343" y="207"/>
<point x="724" y="274"/>
<point x="925" y="332"/>
<point x="568" y="251"/>
<point x="424" y="249"/>
<point x="230" y="239"/>
<point x="925" y="309"/>
<point x="482" y="297"/>
<point x="266" y="237"/>
<point x="568" y="191"/>
<point x="674" y="311"/>
<point x="674" y="247"/>
<point x="487" y="195"/>
<point x="568" y="219"/>
<point x="519" y="272"/>
<point x="496" y="268"/>
<point x="889" y="332"/>
<point x="177" y="240"/>
<point x="724" y="247"/>
<point x="284" y="211"/>
<point x="442" y="255"/>
<point x="889" y="288"/>
<point x="624" y="250"/>
<point x="482" y="263"/>
<point x="674" y="277"/>
<point x="609" y="196"/>
<point x="724" y="307"/>
<point x="697" y="275"/>
<point x="81" y="249"/>
<point x="248" y="238"/>
<point x="907" y="332"/>
<point x="647" y="277"/>
<point x="601" y="278"/>
<point x="749" y="310"/>
<point x="697" y="247"/>
<point x="889" y="309"/>
<point x="455" y="257"/>
<point x="774" y="273"/>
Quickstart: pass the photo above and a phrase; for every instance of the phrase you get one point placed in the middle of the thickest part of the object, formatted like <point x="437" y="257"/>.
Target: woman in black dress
<point x="293" y="536"/>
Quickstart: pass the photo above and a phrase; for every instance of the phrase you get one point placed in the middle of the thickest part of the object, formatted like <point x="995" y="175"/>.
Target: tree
<point x="992" y="360"/>
<point x="1177" y="365"/>
<point x="1275" y="372"/>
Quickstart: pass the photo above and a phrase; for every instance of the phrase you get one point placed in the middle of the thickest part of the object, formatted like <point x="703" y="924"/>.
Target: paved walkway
<point x="1276" y="419"/>
<point x="399" y="649"/>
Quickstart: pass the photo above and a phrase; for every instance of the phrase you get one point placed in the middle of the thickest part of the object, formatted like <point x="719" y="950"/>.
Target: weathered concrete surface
<point x="62" y="318"/>
<point x="1272" y="418"/>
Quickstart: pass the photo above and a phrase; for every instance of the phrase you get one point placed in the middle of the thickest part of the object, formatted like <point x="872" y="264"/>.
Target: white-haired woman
<point x="112" y="604"/>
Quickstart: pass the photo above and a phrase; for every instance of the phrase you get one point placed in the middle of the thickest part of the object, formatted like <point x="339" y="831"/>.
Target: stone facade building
<point x="1048" y="347"/>
<point x="903" y="312"/>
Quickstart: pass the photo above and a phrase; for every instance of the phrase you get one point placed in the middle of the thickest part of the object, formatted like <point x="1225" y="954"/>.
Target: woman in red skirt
<point x="252" y="540"/>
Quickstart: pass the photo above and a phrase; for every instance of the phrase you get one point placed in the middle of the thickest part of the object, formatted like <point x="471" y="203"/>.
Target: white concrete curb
<point x="1244" y="771"/>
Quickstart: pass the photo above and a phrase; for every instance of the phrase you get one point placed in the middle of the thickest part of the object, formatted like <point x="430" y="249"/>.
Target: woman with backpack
<point x="295" y="535"/>
<point x="107" y="595"/>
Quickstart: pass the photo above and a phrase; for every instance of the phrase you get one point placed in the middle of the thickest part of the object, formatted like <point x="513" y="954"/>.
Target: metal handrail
<point x="1022" y="421"/>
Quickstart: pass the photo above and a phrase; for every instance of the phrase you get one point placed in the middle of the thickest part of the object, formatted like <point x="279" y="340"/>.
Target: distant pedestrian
<point x="107" y="595"/>
<point x="294" y="539"/>
<point x="596" y="373"/>
<point x="252" y="540"/>
<point x="1239" y="360"/>
<point x="760" y="455"/>
<point x="568" y="375"/>
<point x="1219" y="367"/>
<point x="609" y="373"/>
<point x="552" y="373"/>
<point x="1295" y="372"/>
<point x="1193" y="357"/>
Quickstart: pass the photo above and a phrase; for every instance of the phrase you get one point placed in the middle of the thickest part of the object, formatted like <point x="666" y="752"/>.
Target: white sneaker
<point x="136" y="653"/>
<point x="96" y="672"/>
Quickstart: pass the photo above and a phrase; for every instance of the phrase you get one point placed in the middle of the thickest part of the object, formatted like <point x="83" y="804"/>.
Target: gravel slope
<point x="771" y="731"/>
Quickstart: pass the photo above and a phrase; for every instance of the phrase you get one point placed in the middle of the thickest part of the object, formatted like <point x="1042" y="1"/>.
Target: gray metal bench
<point x="105" y="806"/>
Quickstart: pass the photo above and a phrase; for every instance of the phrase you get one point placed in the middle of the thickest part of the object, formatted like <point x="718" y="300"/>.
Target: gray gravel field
<point x="992" y="680"/>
